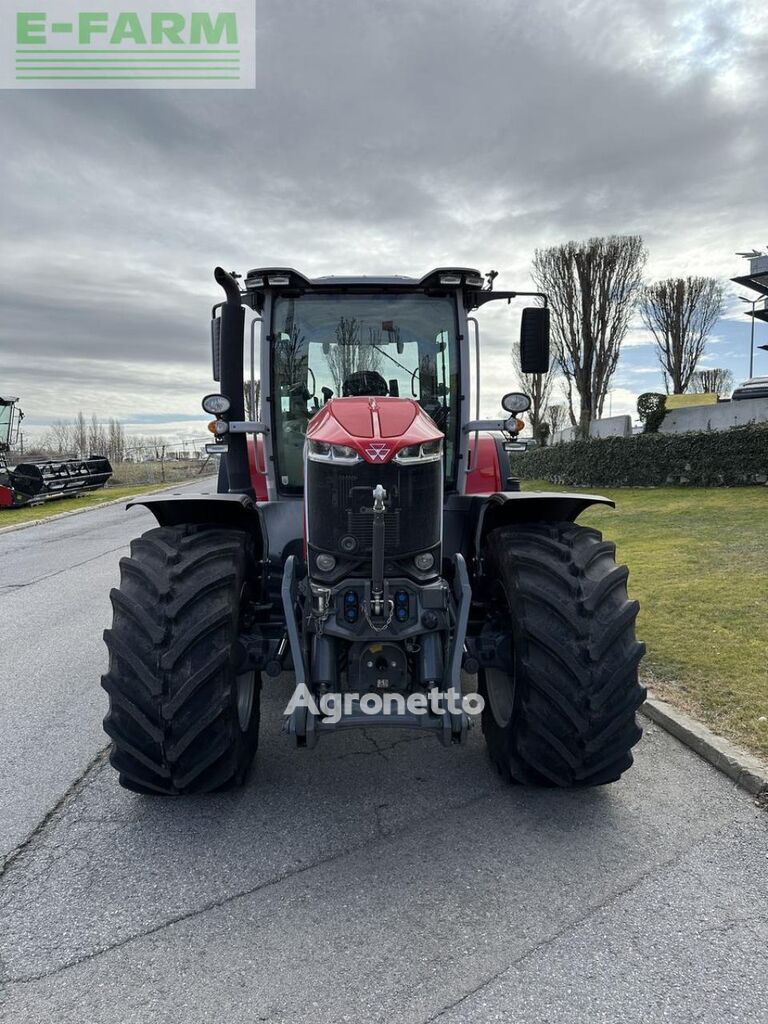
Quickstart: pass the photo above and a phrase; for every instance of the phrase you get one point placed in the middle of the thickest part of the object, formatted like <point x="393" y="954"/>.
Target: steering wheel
<point x="299" y="388"/>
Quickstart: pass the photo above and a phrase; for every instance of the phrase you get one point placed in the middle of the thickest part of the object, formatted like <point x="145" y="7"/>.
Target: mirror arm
<point x="479" y="298"/>
<point x="505" y="426"/>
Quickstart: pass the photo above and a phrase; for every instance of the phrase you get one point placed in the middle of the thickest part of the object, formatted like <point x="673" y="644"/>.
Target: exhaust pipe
<point x="232" y="326"/>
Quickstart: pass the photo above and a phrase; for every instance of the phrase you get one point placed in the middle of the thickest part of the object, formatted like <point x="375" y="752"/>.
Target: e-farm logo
<point x="110" y="44"/>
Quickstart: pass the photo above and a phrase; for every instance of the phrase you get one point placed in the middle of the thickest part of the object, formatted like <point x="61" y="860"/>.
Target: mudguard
<point x="236" y="511"/>
<point x="468" y="518"/>
<point x="506" y="507"/>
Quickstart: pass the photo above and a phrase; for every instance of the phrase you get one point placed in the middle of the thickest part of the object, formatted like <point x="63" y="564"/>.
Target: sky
<point x="381" y="138"/>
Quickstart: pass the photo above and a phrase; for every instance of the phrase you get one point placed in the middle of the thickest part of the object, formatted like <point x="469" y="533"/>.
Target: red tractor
<point x="369" y="536"/>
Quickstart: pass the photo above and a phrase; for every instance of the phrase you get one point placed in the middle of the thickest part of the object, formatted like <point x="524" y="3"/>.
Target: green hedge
<point x="699" y="459"/>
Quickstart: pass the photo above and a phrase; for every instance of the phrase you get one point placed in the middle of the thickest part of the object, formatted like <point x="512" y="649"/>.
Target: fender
<point x="276" y="526"/>
<point x="236" y="511"/>
<point x="469" y="518"/>
<point x="506" y="507"/>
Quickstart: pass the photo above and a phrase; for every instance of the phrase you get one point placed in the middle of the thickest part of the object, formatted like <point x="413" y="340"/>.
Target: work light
<point x="216" y="405"/>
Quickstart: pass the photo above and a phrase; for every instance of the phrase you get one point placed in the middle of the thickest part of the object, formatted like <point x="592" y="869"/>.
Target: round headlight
<point x="424" y="561"/>
<point x="217" y="405"/>
<point x="325" y="563"/>
<point x="348" y="543"/>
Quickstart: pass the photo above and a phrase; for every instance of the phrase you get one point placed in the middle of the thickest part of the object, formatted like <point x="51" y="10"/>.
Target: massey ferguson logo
<point x="377" y="451"/>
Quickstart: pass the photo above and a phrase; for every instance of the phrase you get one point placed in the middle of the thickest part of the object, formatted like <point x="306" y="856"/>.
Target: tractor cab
<point x="391" y="337"/>
<point x="10" y="421"/>
<point x="328" y="345"/>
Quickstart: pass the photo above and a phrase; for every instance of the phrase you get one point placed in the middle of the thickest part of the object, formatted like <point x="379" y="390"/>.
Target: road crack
<point x="10" y="859"/>
<point x="232" y="897"/>
<point x="380" y="750"/>
<point x="10" y="588"/>
<point x="570" y="926"/>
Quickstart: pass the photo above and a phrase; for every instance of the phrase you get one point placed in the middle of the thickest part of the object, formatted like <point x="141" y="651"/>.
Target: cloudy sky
<point x="381" y="138"/>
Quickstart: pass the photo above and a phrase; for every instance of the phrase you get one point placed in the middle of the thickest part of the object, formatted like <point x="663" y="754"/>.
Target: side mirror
<point x="515" y="402"/>
<point x="534" y="340"/>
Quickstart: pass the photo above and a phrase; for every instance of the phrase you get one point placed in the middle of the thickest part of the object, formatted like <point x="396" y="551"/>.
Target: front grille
<point x="339" y="500"/>
<point x="360" y="526"/>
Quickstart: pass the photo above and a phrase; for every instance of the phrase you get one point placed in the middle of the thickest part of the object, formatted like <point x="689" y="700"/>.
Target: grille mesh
<point x="360" y="525"/>
<point x="339" y="500"/>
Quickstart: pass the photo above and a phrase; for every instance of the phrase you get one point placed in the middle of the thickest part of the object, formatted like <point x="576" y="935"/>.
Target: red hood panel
<point x="377" y="428"/>
<point x="353" y="415"/>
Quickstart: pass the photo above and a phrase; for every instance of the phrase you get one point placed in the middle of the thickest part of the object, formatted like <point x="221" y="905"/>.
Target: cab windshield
<point x="6" y="421"/>
<point x="334" y="346"/>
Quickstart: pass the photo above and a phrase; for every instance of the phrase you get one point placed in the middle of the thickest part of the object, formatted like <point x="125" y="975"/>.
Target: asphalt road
<point x="379" y="877"/>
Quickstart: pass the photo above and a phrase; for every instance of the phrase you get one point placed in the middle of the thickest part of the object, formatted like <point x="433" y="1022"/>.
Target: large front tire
<point x="565" y="714"/>
<point x="183" y="716"/>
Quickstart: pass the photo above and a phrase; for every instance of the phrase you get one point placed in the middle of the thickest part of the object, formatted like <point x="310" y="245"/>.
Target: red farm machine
<point x="368" y="535"/>
<point x="28" y="483"/>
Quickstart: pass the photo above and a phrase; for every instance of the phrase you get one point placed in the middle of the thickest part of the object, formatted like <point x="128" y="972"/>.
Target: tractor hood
<point x="377" y="428"/>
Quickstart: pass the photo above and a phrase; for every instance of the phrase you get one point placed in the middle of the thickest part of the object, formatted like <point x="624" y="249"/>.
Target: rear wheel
<point x="183" y="715"/>
<point x="565" y="713"/>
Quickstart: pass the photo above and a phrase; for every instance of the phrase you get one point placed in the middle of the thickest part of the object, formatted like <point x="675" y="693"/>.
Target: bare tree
<point x="252" y="408"/>
<point x="97" y="437"/>
<point x="539" y="387"/>
<point x="291" y="354"/>
<point x="716" y="381"/>
<point x="59" y="438"/>
<point x="147" y="446"/>
<point x="556" y="416"/>
<point x="80" y="436"/>
<point x="680" y="312"/>
<point x="116" y="441"/>
<point x="350" y="354"/>
<point x="592" y="288"/>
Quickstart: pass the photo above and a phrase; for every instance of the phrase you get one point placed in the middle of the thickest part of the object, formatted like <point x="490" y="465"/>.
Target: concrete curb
<point x="93" y="508"/>
<point x="735" y="762"/>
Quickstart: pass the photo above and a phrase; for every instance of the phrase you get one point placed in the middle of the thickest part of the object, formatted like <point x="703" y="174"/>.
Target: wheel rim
<point x="499" y="685"/>
<point x="245" y="682"/>
<point x="500" y="688"/>
<point x="245" y="686"/>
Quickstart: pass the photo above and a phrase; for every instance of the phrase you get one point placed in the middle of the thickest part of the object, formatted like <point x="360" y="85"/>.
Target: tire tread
<point x="172" y="717"/>
<point x="577" y="688"/>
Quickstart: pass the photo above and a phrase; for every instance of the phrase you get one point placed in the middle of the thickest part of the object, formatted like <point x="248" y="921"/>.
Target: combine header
<point x="32" y="482"/>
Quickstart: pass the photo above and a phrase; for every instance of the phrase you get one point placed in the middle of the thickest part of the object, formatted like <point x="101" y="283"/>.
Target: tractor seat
<point x="363" y="383"/>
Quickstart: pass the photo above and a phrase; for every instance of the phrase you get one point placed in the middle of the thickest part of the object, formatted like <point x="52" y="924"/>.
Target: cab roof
<point x="286" y="277"/>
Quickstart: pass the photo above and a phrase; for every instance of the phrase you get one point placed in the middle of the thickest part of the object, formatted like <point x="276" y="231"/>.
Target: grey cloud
<point x="386" y="137"/>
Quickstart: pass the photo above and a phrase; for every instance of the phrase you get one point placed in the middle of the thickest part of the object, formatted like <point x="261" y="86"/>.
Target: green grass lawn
<point x="32" y="513"/>
<point x="698" y="562"/>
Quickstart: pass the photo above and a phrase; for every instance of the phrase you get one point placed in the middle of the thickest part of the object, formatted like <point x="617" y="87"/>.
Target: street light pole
<point x="753" y="303"/>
